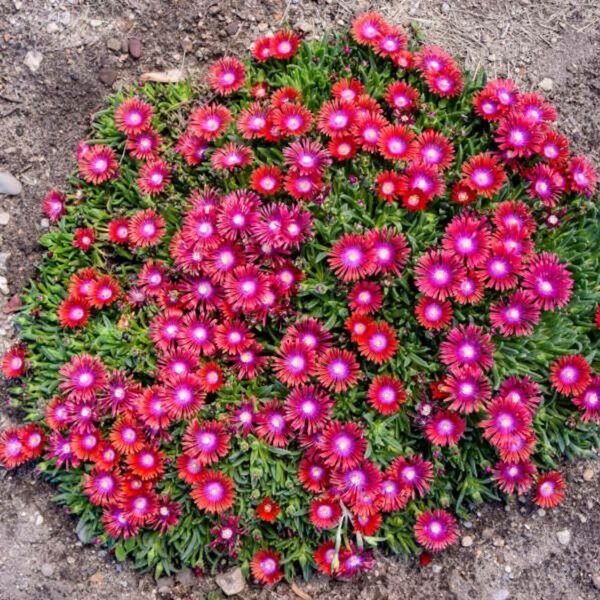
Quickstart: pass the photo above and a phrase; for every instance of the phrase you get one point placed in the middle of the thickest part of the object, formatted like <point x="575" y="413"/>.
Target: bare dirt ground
<point x="58" y="58"/>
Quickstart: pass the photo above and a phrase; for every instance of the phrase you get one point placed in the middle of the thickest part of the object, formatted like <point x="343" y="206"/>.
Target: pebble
<point x="4" y="218"/>
<point x="47" y="570"/>
<point x="502" y="594"/>
<point x="231" y="582"/>
<point x="596" y="580"/>
<point x="45" y="223"/>
<point x="33" y="60"/>
<point x="541" y="512"/>
<point x="71" y="560"/>
<point x="114" y="44"/>
<point x="39" y="520"/>
<point x="445" y="8"/>
<point x="231" y="29"/>
<point x="164" y="584"/>
<point x="52" y="27"/>
<point x="467" y="541"/>
<point x="134" y="45"/>
<point x="436" y="569"/>
<point x="4" y="256"/>
<point x="185" y="577"/>
<point x="546" y="84"/>
<point x="4" y="286"/>
<point x="563" y="537"/>
<point x="108" y="76"/>
<point x="498" y="542"/>
<point x="95" y="23"/>
<point x="487" y="533"/>
<point x="9" y="184"/>
<point x="588" y="474"/>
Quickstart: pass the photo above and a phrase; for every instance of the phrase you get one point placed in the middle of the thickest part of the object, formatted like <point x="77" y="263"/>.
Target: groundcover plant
<point x="329" y="304"/>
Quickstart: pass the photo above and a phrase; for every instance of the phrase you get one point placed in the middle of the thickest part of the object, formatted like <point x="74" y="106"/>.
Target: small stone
<point x="498" y="542"/>
<point x="468" y="525"/>
<point x="9" y="184"/>
<point x="502" y="594"/>
<point x="445" y="8"/>
<point x="71" y="560"/>
<point x="492" y="57"/>
<point x="231" y="29"/>
<point x="4" y="256"/>
<point x="588" y="474"/>
<point x="134" y="45"/>
<point x="305" y="26"/>
<point x="436" y="569"/>
<point x="231" y="582"/>
<point x="4" y="218"/>
<point x="541" y="512"/>
<point x="487" y="533"/>
<point x="95" y="23"/>
<point x="39" y="520"/>
<point x="108" y="76"/>
<point x="164" y="584"/>
<point x="52" y="27"/>
<point x="47" y="570"/>
<point x="186" y="578"/>
<point x="563" y="537"/>
<point x="45" y="223"/>
<point x="546" y="84"/>
<point x="97" y="577"/>
<point x="4" y="286"/>
<point x="114" y="44"/>
<point x="596" y="580"/>
<point x="467" y="541"/>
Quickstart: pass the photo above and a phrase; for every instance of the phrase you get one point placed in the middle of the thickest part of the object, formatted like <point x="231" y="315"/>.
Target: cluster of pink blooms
<point x="232" y="270"/>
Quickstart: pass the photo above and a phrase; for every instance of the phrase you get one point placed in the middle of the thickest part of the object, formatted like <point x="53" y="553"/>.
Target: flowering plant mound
<point x="332" y="304"/>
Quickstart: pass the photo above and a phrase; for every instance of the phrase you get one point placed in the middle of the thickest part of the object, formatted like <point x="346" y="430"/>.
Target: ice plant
<point x="334" y="303"/>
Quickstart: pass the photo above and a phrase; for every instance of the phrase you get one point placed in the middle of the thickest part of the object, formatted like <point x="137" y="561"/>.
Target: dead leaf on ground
<point x="300" y="592"/>
<point x="170" y="76"/>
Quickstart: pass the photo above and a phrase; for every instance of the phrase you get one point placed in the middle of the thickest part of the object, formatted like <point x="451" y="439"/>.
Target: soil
<point x="87" y="49"/>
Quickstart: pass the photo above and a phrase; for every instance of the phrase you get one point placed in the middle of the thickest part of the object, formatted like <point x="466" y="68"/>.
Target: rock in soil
<point x="231" y="582"/>
<point x="9" y="185"/>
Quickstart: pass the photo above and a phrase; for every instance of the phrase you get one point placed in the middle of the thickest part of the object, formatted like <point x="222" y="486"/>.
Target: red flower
<point x="98" y="164"/>
<point x="213" y="492"/>
<point x="209" y="121"/>
<point x="133" y="116"/>
<point x="435" y="149"/>
<point x="506" y="420"/>
<point x="13" y="362"/>
<point x="514" y="475"/>
<point x="436" y="530"/>
<point x="397" y="143"/>
<point x="226" y="75"/>
<point x="82" y="377"/>
<point x="265" y="567"/>
<point x="54" y="205"/>
<point x="231" y="156"/>
<point x="386" y="394"/>
<point x="368" y="27"/>
<point x="207" y="441"/>
<point x="389" y="185"/>
<point x="154" y="176"/>
<point x="268" y="510"/>
<point x="284" y="44"/>
<point x="73" y="312"/>
<point x="570" y="375"/>
<point x="83" y="238"/>
<point x="548" y="281"/>
<point x="379" y="344"/>
<point x="338" y="370"/>
<point x="413" y="473"/>
<point x="549" y="489"/>
<point x="390" y="250"/>
<point x="484" y="174"/>
<point x="401" y="96"/>
<point x="13" y="451"/>
<point x="324" y="512"/>
<point x="104" y="291"/>
<point x="146" y="228"/>
<point x="336" y="118"/>
<point x="467" y="346"/>
<point x="352" y="257"/>
<point x="589" y="402"/>
<point x="271" y="425"/>
<point x="307" y="408"/>
<point x="266" y="180"/>
<point x="433" y="314"/>
<point x="292" y="119"/>
<point x="445" y="428"/>
<point x="466" y="389"/>
<point x="342" y="445"/>
<point x="438" y="274"/>
<point x="144" y="145"/>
